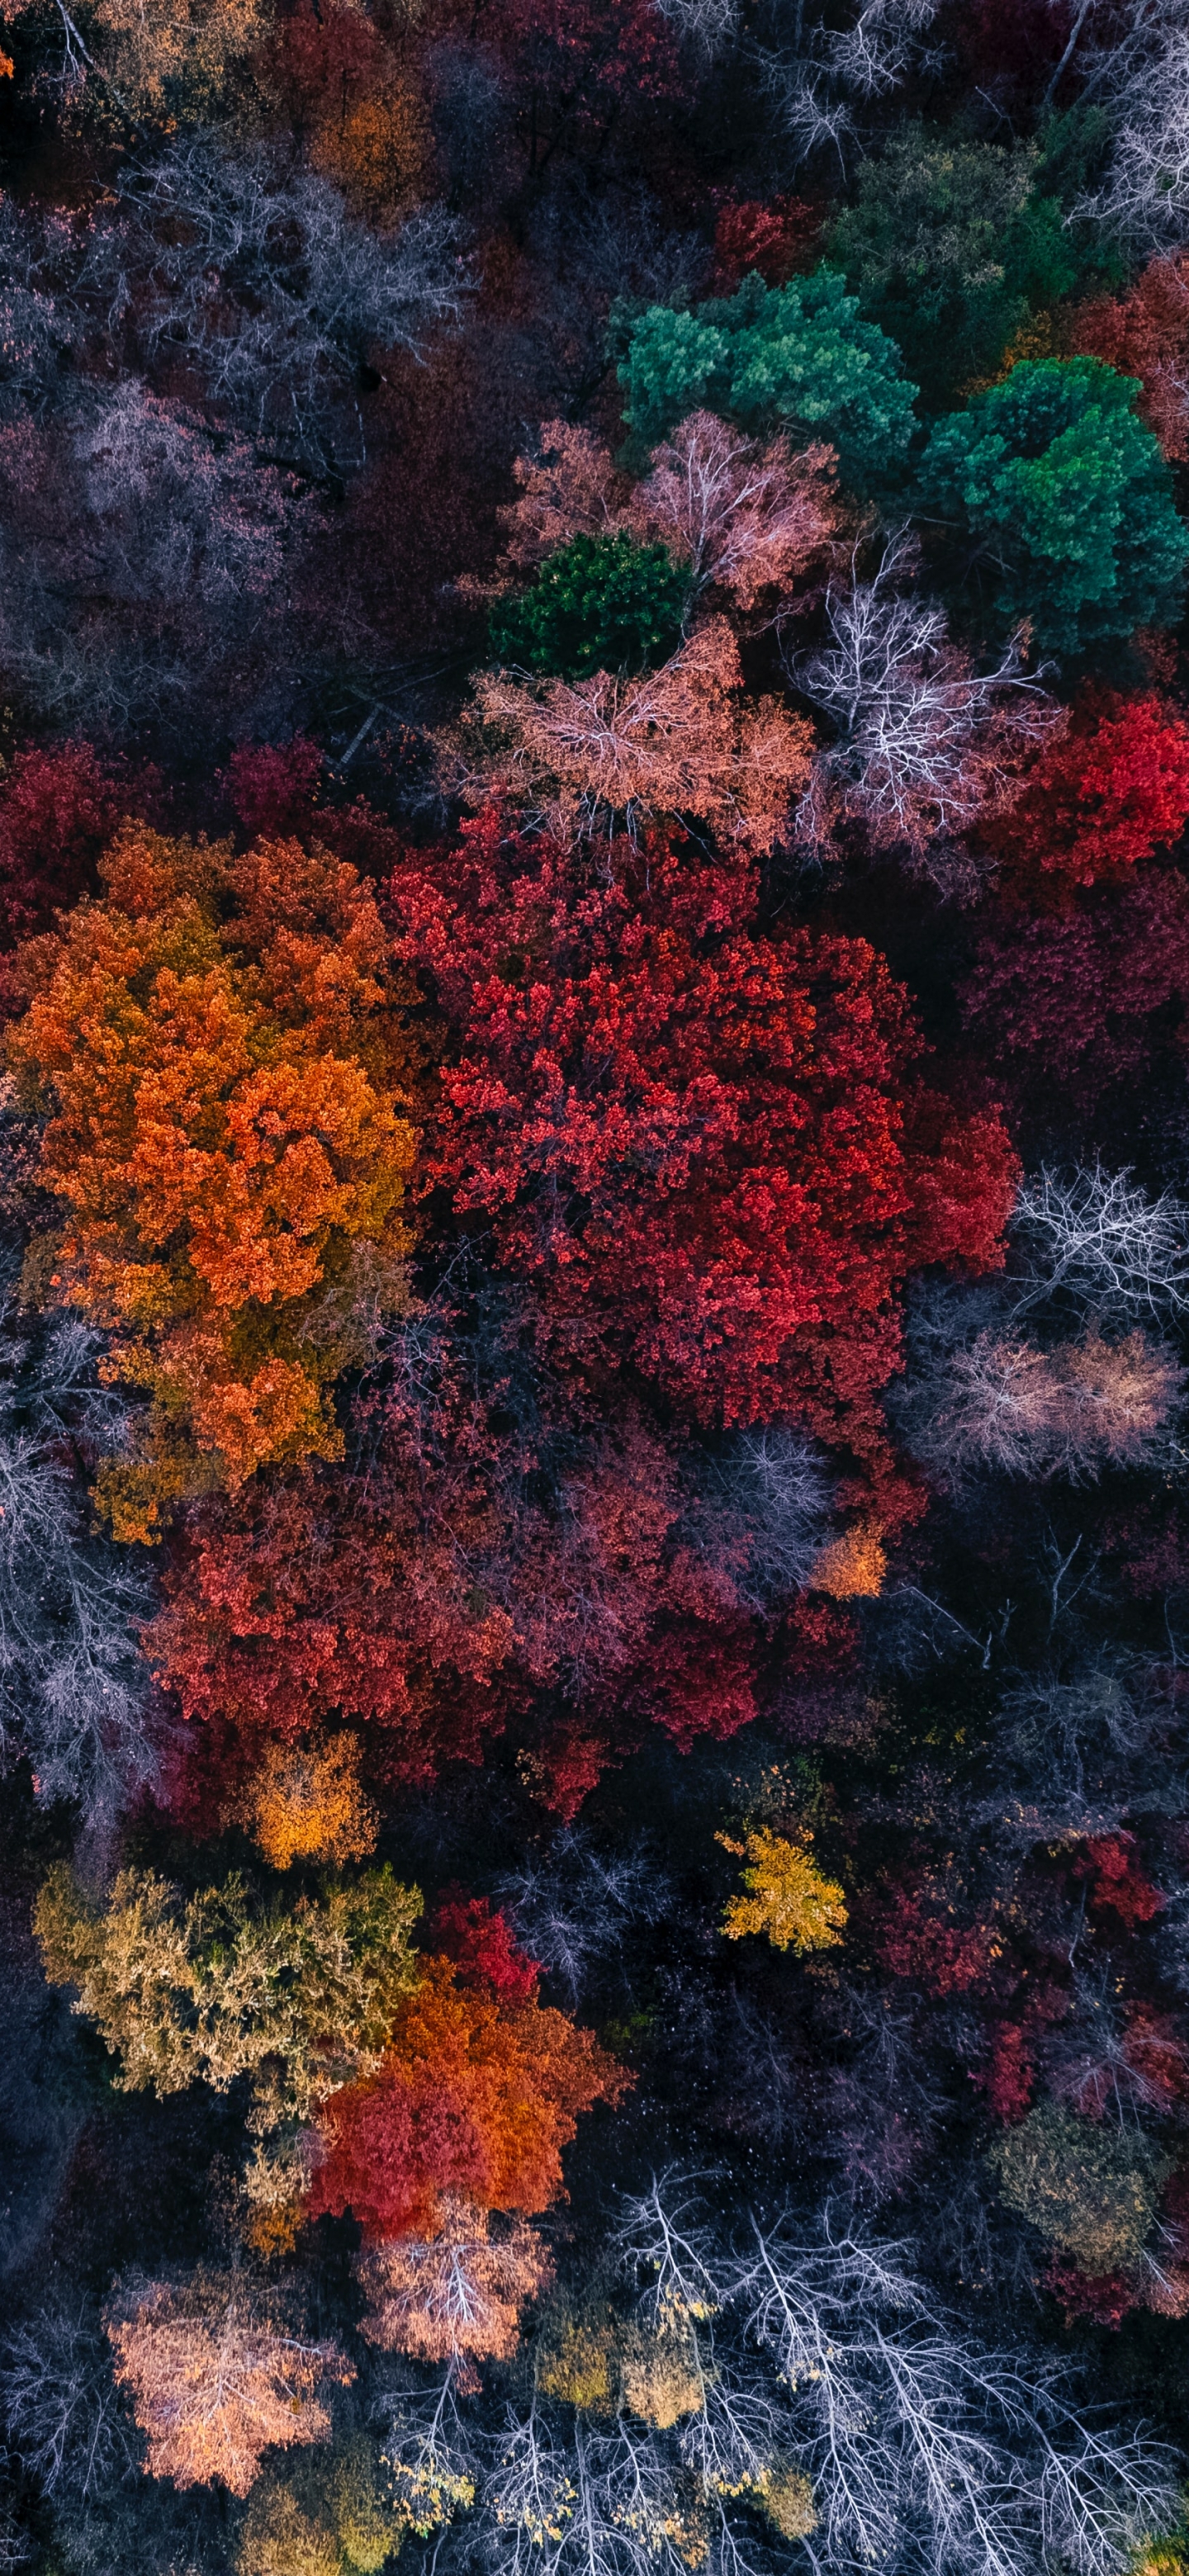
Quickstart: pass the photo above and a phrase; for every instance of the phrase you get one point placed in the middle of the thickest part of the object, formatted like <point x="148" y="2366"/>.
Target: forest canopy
<point x="594" y="1287"/>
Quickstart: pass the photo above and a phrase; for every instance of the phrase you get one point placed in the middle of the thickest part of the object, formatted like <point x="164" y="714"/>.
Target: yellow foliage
<point x="852" y="1567"/>
<point x="599" y="2362"/>
<point x="327" y="2517"/>
<point x="308" y="1805"/>
<point x="213" y="1988"/>
<point x="787" y="2498"/>
<point x="579" y="2364"/>
<point x="790" y="1900"/>
<point x="280" y="2539"/>
<point x="660" y="2377"/>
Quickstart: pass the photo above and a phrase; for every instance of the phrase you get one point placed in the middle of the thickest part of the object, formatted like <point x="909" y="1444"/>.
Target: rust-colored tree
<point x="475" y="2100"/>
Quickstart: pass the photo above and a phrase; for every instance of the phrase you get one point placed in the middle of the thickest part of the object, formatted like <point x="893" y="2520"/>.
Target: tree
<point x="692" y="1135"/>
<point x="277" y="291"/>
<point x="789" y="1899"/>
<point x="308" y="1805"/>
<point x="58" y="811"/>
<point x="926" y="745"/>
<point x="149" y="564"/>
<point x="149" y="62"/>
<point x="1145" y="334"/>
<point x="1095" y="1236"/>
<point x="73" y="1686"/>
<point x="213" y="1988"/>
<point x="599" y="604"/>
<point x="1071" y="1410"/>
<point x="773" y="238"/>
<point x="617" y="752"/>
<point x="326" y="2514"/>
<point x="217" y="2375"/>
<point x="749" y="519"/>
<point x="1145" y="191"/>
<point x="228" y="1140"/>
<point x="351" y="104"/>
<point x="475" y="2099"/>
<point x="744" y="520"/>
<point x="1075" y="1004"/>
<point x="456" y="2296"/>
<point x="1099" y="800"/>
<point x="796" y="358"/>
<point x="61" y="2409"/>
<point x="928" y="248"/>
<point x="1052" y="474"/>
<point x="1088" y="2187"/>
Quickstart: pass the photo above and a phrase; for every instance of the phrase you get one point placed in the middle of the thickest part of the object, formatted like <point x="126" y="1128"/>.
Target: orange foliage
<point x="852" y="1567"/>
<point x="309" y="1805"/>
<point x="476" y="2099"/>
<point x="216" y="2376"/>
<point x="221" y="1045"/>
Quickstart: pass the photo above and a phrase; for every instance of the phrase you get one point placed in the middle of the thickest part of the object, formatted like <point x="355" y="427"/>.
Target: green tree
<point x="598" y="604"/>
<point x="927" y="247"/>
<point x="798" y="357"/>
<point x="1055" y="480"/>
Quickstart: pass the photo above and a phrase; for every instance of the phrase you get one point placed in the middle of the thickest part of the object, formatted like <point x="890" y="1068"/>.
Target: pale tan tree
<point x="620" y="752"/>
<point x="457" y="2296"/>
<point x="751" y="519"/>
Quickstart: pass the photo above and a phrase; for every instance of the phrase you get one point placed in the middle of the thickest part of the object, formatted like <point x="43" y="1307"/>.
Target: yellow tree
<point x="789" y="1899"/>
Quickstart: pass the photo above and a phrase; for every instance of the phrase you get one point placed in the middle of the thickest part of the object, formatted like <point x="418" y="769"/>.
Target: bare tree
<point x="261" y="281"/>
<point x="708" y="27"/>
<point x="1095" y="1236"/>
<point x="61" y="2408"/>
<point x="765" y="1512"/>
<point x="822" y="77"/>
<point x="924" y="744"/>
<point x="74" y="1689"/>
<point x="1140" y="70"/>
<point x="1003" y="1402"/>
<point x="577" y="1908"/>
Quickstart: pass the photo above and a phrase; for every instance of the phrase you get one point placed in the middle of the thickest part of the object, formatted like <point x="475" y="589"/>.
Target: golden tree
<point x="306" y="1803"/>
<point x="789" y="1899"/>
<point x="210" y="1989"/>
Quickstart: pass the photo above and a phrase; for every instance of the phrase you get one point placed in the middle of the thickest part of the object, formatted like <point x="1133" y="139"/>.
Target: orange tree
<point x="223" y="1054"/>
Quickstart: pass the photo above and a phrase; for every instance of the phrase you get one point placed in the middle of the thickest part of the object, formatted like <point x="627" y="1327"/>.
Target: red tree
<point x="706" y="1145"/>
<point x="1146" y="334"/>
<point x="476" y="2099"/>
<point x="1105" y="796"/>
<point x="58" y="811"/>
